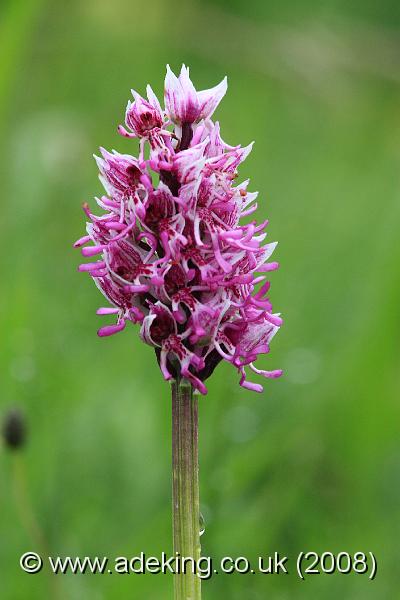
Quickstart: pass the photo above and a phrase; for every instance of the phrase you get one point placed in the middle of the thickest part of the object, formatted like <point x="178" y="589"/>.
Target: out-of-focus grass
<point x="313" y="463"/>
<point x="17" y="20"/>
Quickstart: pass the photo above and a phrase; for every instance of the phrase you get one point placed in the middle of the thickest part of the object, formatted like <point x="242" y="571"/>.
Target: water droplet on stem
<point x="202" y="526"/>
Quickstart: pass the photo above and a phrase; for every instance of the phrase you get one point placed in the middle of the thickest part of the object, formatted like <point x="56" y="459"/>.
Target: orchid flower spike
<point x="171" y="252"/>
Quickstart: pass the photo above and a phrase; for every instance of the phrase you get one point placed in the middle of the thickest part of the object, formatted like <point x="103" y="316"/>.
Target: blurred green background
<point x="314" y="462"/>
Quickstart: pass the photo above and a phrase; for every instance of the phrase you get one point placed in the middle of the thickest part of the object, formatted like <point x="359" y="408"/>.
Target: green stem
<point x="185" y="488"/>
<point x="29" y="521"/>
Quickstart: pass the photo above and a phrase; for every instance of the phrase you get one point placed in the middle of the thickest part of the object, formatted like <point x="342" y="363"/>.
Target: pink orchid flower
<point x="173" y="253"/>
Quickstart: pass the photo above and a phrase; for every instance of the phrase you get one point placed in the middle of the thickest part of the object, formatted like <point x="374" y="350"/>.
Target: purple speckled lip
<point x="173" y="254"/>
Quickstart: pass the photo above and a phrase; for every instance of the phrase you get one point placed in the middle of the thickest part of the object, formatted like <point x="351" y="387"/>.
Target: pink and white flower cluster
<point x="174" y="255"/>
